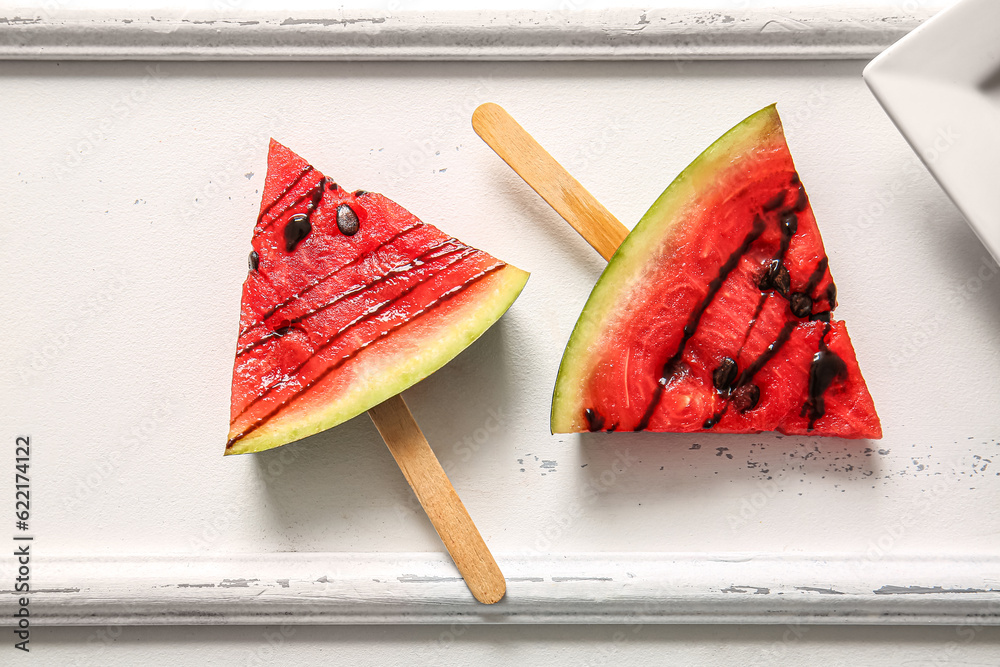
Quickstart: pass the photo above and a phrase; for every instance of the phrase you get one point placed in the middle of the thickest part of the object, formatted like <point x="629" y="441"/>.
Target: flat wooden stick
<point x="444" y="508"/>
<point x="548" y="178"/>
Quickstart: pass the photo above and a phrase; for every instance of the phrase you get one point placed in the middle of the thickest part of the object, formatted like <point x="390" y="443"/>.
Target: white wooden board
<point x="129" y="192"/>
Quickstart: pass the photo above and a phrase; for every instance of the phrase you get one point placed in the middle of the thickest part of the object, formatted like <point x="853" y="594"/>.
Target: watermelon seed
<point x="595" y="421"/>
<point x="674" y="364"/>
<point x="782" y="281"/>
<point x="254" y="260"/>
<point x="333" y="186"/>
<point x="347" y="220"/>
<point x="801" y="304"/>
<point x="789" y="223"/>
<point x="724" y="376"/>
<point x="776" y="277"/>
<point x="297" y="229"/>
<point x="359" y="193"/>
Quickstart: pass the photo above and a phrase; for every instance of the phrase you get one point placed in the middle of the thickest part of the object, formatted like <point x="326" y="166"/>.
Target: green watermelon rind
<point x="657" y="227"/>
<point x="501" y="290"/>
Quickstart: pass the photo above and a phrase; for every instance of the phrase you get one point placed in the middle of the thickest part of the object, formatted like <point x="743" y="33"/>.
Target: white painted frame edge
<point x="344" y="588"/>
<point x="631" y="588"/>
<point x="614" y="34"/>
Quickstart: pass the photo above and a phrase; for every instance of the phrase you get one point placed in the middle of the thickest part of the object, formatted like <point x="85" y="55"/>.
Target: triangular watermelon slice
<point x="714" y="315"/>
<point x="350" y="299"/>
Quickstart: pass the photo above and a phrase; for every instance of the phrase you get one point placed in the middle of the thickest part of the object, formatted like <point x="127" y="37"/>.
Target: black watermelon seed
<point x="820" y="317"/>
<point x="724" y="376"/>
<point x="776" y="277"/>
<point x="254" y="260"/>
<point x="595" y="420"/>
<point x="782" y="281"/>
<point x="297" y="229"/>
<point x="359" y="193"/>
<point x="831" y="295"/>
<point x="347" y="220"/>
<point x="746" y="397"/>
<point x="800" y="304"/>
<point x="789" y="223"/>
<point x="333" y="186"/>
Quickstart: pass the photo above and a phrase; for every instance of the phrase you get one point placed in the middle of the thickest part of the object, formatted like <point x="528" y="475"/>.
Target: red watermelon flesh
<point x="714" y="315"/>
<point x="349" y="300"/>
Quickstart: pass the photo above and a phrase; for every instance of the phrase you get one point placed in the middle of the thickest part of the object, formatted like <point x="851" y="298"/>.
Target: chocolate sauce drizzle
<point x="673" y="363"/>
<point x="737" y="388"/>
<point x="775" y="202"/>
<point x="433" y="252"/>
<point x="314" y="194"/>
<point x="318" y="281"/>
<point x="353" y="353"/>
<point x="826" y="367"/>
<point x="291" y="186"/>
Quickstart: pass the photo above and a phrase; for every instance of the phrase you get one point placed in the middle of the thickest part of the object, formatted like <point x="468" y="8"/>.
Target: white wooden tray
<point x="129" y="189"/>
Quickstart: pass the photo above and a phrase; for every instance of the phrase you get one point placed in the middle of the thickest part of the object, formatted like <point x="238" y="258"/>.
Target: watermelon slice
<point x="350" y="299"/>
<point x="714" y="314"/>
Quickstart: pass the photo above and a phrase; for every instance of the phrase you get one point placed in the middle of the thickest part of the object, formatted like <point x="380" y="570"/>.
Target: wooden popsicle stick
<point x="549" y="179"/>
<point x="444" y="508"/>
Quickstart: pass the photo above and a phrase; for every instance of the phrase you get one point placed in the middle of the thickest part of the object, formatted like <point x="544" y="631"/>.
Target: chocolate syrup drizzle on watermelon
<point x="673" y="363"/>
<point x="318" y="281"/>
<point x="800" y="303"/>
<point x="291" y="186"/>
<point x="373" y="312"/>
<point x="431" y="253"/>
<point x="315" y="194"/>
<point x="826" y="366"/>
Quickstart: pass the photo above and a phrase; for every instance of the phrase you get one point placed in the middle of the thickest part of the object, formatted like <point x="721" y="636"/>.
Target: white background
<point x="126" y="224"/>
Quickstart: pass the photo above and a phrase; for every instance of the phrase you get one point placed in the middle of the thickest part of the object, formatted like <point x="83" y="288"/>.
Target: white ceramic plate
<point x="941" y="86"/>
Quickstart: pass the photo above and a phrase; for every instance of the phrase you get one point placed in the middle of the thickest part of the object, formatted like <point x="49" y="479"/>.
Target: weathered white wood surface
<point x="618" y="34"/>
<point x="129" y="189"/>
<point x="343" y="588"/>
